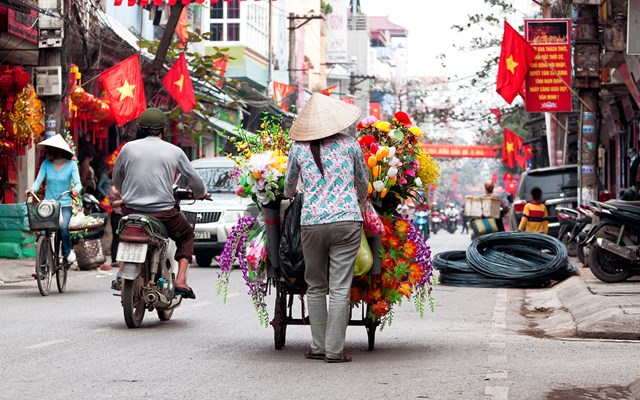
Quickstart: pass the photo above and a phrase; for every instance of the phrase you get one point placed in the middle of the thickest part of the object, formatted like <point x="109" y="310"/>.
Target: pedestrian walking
<point x="334" y="180"/>
<point x="534" y="215"/>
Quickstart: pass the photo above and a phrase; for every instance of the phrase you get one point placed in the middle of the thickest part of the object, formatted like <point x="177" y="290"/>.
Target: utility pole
<point x="587" y="81"/>
<point x="292" y="41"/>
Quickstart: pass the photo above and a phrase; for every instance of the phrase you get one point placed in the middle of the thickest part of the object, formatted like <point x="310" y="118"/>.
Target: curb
<point x="596" y="316"/>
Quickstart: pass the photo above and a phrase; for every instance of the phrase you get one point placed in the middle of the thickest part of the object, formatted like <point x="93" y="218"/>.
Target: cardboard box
<point x="477" y="207"/>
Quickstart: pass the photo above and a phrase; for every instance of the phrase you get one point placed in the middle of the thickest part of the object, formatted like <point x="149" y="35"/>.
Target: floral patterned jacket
<point x="339" y="195"/>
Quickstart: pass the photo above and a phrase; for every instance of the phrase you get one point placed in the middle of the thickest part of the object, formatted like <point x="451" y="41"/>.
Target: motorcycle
<point x="421" y="219"/>
<point x="149" y="269"/>
<point x="572" y="224"/>
<point x="451" y="222"/>
<point x="614" y="251"/>
<point x="436" y="221"/>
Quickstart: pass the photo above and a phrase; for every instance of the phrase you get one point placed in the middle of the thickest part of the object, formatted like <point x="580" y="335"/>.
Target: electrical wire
<point x="506" y="259"/>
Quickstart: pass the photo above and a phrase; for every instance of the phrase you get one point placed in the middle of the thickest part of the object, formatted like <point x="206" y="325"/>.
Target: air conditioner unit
<point x="48" y="81"/>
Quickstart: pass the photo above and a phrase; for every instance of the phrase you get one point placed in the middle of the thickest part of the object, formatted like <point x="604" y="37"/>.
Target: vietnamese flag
<point x="220" y="68"/>
<point x="511" y="148"/>
<point x="525" y="156"/>
<point x="329" y="90"/>
<point x="178" y="83"/>
<point x="375" y="110"/>
<point x="516" y="56"/>
<point x="125" y="90"/>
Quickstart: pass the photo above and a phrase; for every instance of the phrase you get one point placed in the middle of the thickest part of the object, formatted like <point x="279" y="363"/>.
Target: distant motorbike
<point x="435" y="221"/>
<point x="149" y="269"/>
<point x="451" y="221"/>
<point x="614" y="242"/>
<point x="421" y="219"/>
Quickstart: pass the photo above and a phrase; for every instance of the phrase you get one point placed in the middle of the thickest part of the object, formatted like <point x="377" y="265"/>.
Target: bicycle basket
<point x="43" y="215"/>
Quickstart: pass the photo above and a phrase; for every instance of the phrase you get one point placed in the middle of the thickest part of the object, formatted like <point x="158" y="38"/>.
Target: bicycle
<point x="44" y="219"/>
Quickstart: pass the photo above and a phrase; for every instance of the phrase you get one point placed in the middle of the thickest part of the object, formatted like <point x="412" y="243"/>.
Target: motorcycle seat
<point x="153" y="223"/>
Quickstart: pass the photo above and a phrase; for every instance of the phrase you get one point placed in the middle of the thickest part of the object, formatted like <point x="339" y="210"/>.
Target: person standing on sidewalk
<point x="334" y="181"/>
<point x="534" y="215"/>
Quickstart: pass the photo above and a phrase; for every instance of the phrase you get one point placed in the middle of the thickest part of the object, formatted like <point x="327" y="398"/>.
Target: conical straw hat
<point x="56" y="141"/>
<point x="323" y="116"/>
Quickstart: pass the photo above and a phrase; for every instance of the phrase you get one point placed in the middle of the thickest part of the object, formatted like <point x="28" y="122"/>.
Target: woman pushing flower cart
<point x="347" y="184"/>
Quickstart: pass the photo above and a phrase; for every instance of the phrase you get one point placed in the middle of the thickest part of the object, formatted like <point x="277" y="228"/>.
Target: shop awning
<point x="144" y="3"/>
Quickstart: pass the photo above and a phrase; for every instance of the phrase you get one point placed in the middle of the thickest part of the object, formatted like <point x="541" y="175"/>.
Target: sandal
<point x="116" y="283"/>
<point x="186" y="293"/>
<point x="313" y="356"/>
<point x="344" y="358"/>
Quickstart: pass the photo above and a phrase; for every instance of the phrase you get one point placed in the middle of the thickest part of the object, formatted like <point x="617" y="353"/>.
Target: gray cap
<point x="152" y="118"/>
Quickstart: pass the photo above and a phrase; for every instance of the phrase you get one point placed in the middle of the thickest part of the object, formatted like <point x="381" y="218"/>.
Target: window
<point x="216" y="10"/>
<point x="233" y="9"/>
<point x="233" y="32"/>
<point x="216" y="32"/>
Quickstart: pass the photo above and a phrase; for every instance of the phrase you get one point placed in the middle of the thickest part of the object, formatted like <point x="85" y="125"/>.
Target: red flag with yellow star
<point x="511" y="148"/>
<point x="516" y="56"/>
<point x="178" y="84"/>
<point x="125" y="90"/>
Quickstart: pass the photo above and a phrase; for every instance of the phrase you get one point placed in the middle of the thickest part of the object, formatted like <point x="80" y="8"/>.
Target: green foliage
<point x="325" y="7"/>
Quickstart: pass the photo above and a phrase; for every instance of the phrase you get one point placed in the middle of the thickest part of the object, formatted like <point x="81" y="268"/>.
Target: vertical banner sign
<point x="337" y="32"/>
<point x="546" y="91"/>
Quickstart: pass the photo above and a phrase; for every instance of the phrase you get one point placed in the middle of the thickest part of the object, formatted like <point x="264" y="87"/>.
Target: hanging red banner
<point x="453" y="151"/>
<point x="171" y="2"/>
<point x="549" y="80"/>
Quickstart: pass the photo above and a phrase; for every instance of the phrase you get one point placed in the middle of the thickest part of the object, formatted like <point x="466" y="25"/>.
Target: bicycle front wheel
<point x="44" y="264"/>
<point x="61" y="278"/>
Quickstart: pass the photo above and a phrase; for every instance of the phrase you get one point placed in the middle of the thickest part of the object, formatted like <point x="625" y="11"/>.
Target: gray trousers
<point x="330" y="254"/>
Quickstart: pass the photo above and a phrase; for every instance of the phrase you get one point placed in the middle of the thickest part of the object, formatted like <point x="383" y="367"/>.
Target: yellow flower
<point x="383" y="126"/>
<point x="382" y="152"/>
<point x="383" y="193"/>
<point x="375" y="171"/>
<point x="370" y="189"/>
<point x="417" y="132"/>
<point x="371" y="162"/>
<point x="280" y="163"/>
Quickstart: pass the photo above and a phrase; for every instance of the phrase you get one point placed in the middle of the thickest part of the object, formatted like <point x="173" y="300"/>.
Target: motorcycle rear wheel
<point x="605" y="267"/>
<point x="133" y="303"/>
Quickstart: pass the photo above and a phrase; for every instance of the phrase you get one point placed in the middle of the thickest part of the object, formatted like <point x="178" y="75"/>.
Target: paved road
<point x="476" y="345"/>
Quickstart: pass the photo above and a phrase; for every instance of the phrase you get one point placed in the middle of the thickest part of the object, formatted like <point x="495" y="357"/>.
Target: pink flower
<point x="410" y="172"/>
<point x="369" y="120"/>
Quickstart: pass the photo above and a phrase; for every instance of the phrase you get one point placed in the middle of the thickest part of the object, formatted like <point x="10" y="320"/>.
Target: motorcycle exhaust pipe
<point x="156" y="299"/>
<point x="620" y="251"/>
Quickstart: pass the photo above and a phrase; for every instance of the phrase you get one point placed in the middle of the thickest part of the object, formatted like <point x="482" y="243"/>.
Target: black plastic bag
<point x="292" y="264"/>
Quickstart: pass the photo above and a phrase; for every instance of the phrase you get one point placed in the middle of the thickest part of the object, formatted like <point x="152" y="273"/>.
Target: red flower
<point x="416" y="273"/>
<point x="374" y="148"/>
<point x="380" y="308"/>
<point x="403" y="118"/>
<point x="366" y="141"/>
<point x="405" y="289"/>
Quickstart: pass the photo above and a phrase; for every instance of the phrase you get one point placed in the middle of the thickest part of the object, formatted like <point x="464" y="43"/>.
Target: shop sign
<point x="549" y="80"/>
<point x="453" y="151"/>
<point x="23" y="25"/>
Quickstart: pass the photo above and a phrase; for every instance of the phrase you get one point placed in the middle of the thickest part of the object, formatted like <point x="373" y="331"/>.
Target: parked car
<point x="214" y="219"/>
<point x="559" y="189"/>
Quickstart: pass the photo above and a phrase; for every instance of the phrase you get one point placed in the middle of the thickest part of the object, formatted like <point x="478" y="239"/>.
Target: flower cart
<point x="399" y="261"/>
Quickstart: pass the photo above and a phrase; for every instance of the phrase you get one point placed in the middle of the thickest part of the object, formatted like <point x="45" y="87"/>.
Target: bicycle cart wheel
<point x="61" y="270"/>
<point x="44" y="264"/>
<point x="61" y="278"/>
<point x="279" y="321"/>
<point x="133" y="303"/>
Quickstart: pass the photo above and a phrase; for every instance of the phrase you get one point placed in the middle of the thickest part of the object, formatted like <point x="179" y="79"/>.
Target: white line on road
<point x="45" y="344"/>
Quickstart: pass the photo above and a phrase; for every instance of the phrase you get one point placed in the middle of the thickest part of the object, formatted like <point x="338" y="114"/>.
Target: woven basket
<point x="89" y="253"/>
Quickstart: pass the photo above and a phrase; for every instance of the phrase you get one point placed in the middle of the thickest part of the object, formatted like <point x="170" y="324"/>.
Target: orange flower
<point x="370" y="189"/>
<point x="355" y="295"/>
<point x="394" y="242"/>
<point x="372" y="161"/>
<point x="402" y="225"/>
<point x="409" y="249"/>
<point x="389" y="281"/>
<point x="380" y="308"/>
<point x="405" y="289"/>
<point x="388" y="263"/>
<point x="383" y="193"/>
<point x="416" y="273"/>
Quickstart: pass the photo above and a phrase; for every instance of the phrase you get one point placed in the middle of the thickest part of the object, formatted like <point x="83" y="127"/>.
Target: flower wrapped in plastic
<point x="261" y="161"/>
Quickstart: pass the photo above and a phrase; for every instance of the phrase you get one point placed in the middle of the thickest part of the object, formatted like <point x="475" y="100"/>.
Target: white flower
<point x="393" y="171"/>
<point x="418" y="181"/>
<point x="394" y="161"/>
<point x="392" y="152"/>
<point x="260" y="161"/>
<point x="378" y="186"/>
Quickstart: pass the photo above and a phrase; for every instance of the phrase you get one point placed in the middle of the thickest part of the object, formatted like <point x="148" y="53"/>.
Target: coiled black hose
<point x="506" y="259"/>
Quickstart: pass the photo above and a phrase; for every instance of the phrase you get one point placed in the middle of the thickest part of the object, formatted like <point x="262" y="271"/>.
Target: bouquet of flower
<point x="262" y="161"/>
<point x="407" y="272"/>
<point x="397" y="164"/>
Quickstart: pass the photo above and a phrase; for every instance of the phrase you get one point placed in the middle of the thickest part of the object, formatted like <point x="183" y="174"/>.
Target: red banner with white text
<point x="454" y="151"/>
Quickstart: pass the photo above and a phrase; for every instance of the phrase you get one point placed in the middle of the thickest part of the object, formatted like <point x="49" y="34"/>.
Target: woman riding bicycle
<point x="59" y="171"/>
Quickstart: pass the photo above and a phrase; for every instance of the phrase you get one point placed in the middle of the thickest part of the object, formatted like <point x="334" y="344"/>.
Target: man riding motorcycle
<point x="144" y="173"/>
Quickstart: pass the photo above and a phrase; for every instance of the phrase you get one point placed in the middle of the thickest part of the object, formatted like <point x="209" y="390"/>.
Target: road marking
<point x="497" y="346"/>
<point x="45" y="344"/>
